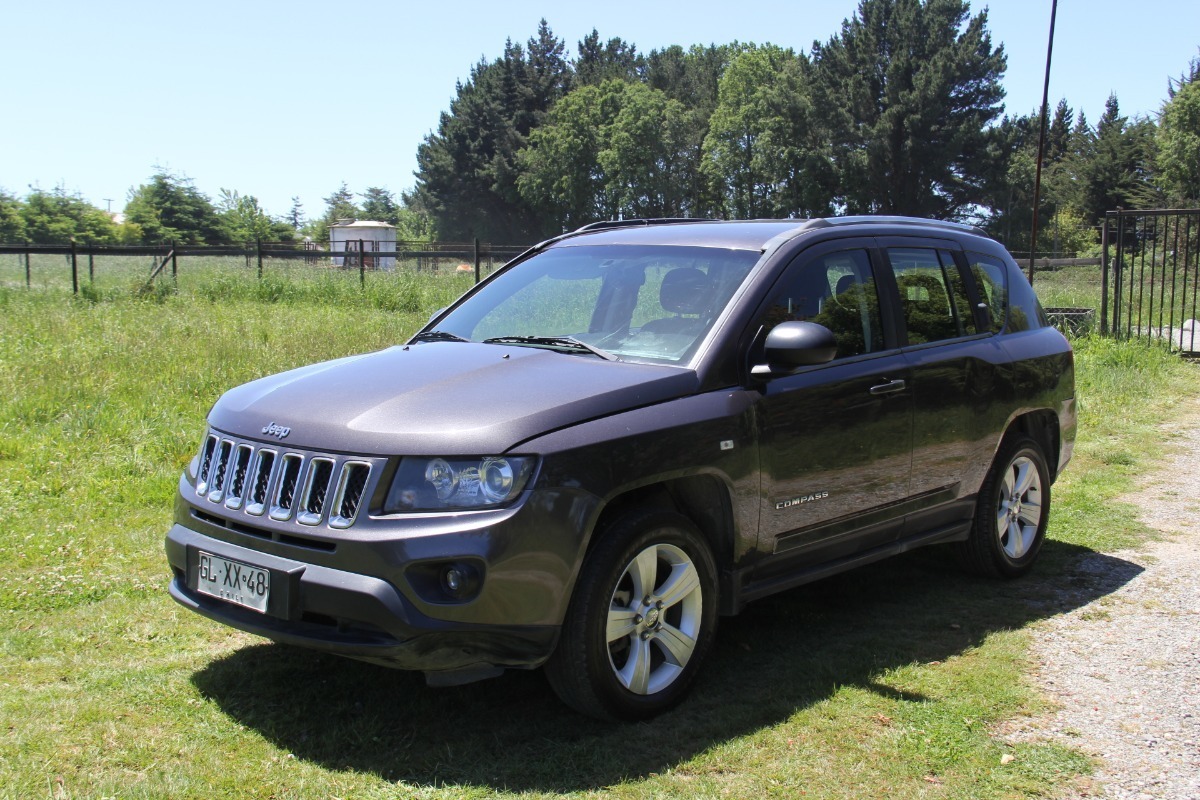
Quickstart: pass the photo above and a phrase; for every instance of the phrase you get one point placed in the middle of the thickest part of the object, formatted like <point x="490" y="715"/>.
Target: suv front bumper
<point x="349" y="614"/>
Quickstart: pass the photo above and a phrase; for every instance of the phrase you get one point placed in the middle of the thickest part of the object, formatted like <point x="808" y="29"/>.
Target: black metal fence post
<point x="28" y="272"/>
<point x="362" y="266"/>
<point x="74" y="267"/>
<point x="174" y="265"/>
<point x="476" y="242"/>
<point x="1104" y="276"/>
<point x="258" y="248"/>
<point x="91" y="266"/>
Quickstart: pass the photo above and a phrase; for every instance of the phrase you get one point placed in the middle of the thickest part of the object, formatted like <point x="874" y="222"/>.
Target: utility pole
<point x="1037" y="181"/>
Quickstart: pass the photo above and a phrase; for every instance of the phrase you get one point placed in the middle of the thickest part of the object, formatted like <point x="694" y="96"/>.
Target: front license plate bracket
<point x="282" y="579"/>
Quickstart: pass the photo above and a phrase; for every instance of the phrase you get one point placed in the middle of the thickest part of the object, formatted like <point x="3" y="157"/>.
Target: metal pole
<point x="91" y="268"/>
<point x="28" y="272"/>
<point x="1104" y="277"/>
<point x="362" y="266"/>
<point x="74" y="267"/>
<point x="1037" y="181"/>
<point x="174" y="265"/>
<point x="477" y="259"/>
<point x="258" y="248"/>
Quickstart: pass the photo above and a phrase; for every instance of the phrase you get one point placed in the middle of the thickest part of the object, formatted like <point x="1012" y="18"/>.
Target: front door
<point x="835" y="439"/>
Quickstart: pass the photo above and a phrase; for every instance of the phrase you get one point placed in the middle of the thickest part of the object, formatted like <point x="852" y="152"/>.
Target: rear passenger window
<point x="838" y="291"/>
<point x="933" y="296"/>
<point x="991" y="276"/>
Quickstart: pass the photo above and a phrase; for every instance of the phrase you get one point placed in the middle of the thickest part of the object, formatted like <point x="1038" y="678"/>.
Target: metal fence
<point x="1151" y="283"/>
<point x="81" y="265"/>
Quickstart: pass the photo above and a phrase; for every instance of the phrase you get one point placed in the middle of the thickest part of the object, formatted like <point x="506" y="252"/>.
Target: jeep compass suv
<point x="626" y="432"/>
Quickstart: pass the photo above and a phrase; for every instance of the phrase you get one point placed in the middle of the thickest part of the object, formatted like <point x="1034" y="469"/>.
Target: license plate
<point x="233" y="581"/>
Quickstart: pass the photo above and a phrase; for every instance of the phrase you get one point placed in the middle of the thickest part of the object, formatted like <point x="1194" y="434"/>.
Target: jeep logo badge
<point x="276" y="430"/>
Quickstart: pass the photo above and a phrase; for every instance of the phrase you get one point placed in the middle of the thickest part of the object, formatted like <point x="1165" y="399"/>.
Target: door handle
<point x="888" y="388"/>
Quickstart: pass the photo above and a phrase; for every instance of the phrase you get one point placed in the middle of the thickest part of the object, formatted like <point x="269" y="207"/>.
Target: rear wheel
<point x="1012" y="511"/>
<point x="641" y="620"/>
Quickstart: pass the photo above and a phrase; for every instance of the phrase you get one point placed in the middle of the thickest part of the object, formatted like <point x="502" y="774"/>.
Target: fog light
<point x="454" y="580"/>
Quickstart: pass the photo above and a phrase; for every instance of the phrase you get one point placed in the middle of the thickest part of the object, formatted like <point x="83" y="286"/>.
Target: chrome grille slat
<point x="348" y="496"/>
<point x="288" y="486"/>
<point x="206" y="454"/>
<point x="264" y="464"/>
<point x="285" y="492"/>
<point x="316" y="487"/>
<point x="237" y="478"/>
<point x="220" y="470"/>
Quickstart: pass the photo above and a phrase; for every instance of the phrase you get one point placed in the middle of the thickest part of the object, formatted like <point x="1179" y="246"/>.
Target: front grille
<point x="287" y="486"/>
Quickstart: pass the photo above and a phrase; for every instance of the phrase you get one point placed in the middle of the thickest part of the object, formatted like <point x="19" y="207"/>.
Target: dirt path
<point x="1126" y="668"/>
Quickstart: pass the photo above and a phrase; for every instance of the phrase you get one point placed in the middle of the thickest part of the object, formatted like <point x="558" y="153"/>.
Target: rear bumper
<point x="348" y="614"/>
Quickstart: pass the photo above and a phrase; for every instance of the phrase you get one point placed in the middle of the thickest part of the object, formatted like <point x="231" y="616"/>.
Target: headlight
<point x="443" y="484"/>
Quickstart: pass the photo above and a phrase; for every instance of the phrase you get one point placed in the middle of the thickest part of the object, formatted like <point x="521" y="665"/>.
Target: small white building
<point x="367" y="236"/>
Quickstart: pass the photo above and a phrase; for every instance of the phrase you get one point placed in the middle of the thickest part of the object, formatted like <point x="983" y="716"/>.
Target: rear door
<point x="956" y="370"/>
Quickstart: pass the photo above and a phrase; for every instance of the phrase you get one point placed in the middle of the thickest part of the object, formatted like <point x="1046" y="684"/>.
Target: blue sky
<point x="259" y="96"/>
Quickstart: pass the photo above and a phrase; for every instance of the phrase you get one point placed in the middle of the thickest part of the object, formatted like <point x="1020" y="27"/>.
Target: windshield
<point x="626" y="301"/>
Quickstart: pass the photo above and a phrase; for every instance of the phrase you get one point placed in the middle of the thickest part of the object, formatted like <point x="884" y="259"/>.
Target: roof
<point x="360" y="223"/>
<point x="756" y="234"/>
<point x="740" y="235"/>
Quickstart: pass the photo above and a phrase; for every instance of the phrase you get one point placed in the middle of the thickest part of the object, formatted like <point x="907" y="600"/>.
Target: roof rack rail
<point x="881" y="219"/>
<point x="631" y="223"/>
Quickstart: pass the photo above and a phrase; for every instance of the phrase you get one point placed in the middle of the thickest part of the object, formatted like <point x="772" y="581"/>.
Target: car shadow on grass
<point x="779" y="656"/>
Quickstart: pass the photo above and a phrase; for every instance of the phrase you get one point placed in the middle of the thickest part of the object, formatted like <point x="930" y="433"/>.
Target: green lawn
<point x="887" y="682"/>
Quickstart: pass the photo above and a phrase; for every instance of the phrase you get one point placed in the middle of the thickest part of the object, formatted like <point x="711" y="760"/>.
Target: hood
<point x="441" y="398"/>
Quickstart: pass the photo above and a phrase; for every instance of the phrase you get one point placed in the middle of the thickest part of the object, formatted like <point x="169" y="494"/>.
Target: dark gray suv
<point x="626" y="432"/>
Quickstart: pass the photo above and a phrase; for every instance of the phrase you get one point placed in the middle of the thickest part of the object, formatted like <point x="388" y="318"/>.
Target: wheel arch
<point x="1043" y="427"/>
<point x="703" y="498"/>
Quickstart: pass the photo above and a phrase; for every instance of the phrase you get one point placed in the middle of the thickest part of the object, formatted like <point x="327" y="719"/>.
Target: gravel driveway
<point x="1125" y="669"/>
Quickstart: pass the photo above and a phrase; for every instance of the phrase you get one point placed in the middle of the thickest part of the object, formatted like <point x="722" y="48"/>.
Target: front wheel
<point x="1012" y="511"/>
<point x="641" y="620"/>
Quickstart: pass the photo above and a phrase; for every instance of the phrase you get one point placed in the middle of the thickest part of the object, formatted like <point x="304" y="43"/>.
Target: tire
<point x="1011" y="513"/>
<point x="619" y="656"/>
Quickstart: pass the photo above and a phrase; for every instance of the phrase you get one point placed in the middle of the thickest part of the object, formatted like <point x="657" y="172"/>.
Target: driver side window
<point x="836" y="290"/>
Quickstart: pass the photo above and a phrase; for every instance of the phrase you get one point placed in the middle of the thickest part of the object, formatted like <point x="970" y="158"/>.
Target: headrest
<point x="685" y="291"/>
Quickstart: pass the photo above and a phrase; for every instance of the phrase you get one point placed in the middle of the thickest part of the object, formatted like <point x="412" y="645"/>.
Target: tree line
<point x="169" y="208"/>
<point x="899" y="112"/>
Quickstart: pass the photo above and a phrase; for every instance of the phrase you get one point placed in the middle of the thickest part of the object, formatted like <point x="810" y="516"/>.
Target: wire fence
<point x="92" y="269"/>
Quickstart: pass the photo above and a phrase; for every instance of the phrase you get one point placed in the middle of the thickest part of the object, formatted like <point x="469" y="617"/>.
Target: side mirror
<point x="797" y="344"/>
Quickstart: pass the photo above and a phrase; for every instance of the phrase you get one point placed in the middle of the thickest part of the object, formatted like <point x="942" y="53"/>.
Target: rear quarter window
<point x="991" y="276"/>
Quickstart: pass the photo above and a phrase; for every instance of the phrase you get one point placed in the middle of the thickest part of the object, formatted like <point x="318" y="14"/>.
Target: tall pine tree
<point x="909" y="88"/>
<point x="467" y="171"/>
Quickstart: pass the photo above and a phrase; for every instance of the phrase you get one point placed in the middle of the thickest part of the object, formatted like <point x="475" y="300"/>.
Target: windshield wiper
<point x="568" y="343"/>
<point x="438" y="336"/>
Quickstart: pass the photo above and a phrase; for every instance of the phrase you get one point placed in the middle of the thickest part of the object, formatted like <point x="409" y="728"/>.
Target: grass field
<point x="887" y="682"/>
<point x="1070" y="287"/>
